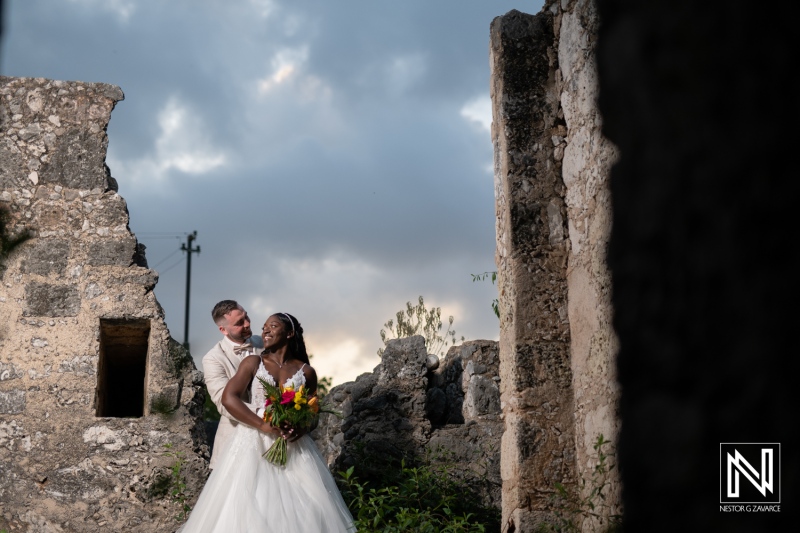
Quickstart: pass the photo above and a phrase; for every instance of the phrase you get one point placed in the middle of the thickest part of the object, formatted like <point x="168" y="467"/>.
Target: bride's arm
<point x="311" y="386"/>
<point x="311" y="379"/>
<point x="233" y="390"/>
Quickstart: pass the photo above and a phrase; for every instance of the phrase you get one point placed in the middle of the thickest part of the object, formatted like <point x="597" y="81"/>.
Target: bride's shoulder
<point x="251" y="362"/>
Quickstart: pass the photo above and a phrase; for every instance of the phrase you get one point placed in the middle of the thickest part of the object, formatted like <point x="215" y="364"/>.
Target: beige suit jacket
<point x="219" y="365"/>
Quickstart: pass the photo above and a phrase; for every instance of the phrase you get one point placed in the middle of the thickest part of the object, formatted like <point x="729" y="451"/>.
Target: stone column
<point x="538" y="447"/>
<point x="587" y="158"/>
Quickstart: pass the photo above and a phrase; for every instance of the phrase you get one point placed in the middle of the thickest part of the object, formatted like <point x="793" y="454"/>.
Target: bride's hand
<point x="269" y="429"/>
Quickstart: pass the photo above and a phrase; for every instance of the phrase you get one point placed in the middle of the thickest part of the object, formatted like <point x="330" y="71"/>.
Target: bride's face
<point x="274" y="333"/>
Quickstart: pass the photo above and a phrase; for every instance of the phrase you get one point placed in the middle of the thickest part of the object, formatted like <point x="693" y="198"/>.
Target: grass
<point x="425" y="497"/>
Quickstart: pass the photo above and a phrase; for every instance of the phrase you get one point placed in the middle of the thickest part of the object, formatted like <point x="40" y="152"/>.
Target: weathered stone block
<point x="80" y="365"/>
<point x="49" y="216"/>
<point x="11" y="174"/>
<point x="144" y="278"/>
<point x="110" y="211"/>
<point x="9" y="371"/>
<point x="78" y="161"/>
<point x="482" y="397"/>
<point x="45" y="257"/>
<point x="12" y="402"/>
<point x="106" y="252"/>
<point x="45" y="299"/>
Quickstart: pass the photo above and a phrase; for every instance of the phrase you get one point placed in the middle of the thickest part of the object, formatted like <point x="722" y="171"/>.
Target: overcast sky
<point x="334" y="157"/>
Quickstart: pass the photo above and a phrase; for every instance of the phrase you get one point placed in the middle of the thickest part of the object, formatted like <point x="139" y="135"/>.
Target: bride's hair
<point x="297" y="344"/>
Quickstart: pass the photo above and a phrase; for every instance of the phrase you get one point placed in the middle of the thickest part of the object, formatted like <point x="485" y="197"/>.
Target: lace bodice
<point x="257" y="393"/>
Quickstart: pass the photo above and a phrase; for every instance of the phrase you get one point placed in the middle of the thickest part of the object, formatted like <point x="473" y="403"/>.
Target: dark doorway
<point x="122" y="368"/>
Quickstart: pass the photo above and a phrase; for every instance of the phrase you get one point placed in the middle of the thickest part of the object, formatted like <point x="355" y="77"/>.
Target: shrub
<point x="422" y="498"/>
<point x="418" y="320"/>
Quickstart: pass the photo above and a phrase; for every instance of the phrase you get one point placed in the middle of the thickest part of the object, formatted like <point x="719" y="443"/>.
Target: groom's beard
<point x="246" y="334"/>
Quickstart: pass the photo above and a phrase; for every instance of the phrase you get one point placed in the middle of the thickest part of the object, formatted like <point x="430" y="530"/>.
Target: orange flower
<point x="314" y="404"/>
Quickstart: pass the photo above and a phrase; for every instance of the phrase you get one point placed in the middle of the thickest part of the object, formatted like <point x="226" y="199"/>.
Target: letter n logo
<point x="750" y="473"/>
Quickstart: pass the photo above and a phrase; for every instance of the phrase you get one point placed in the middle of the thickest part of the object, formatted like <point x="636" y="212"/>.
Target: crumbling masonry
<point x="94" y="394"/>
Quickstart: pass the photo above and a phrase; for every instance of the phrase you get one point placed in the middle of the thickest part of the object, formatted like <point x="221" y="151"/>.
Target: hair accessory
<point x="290" y="321"/>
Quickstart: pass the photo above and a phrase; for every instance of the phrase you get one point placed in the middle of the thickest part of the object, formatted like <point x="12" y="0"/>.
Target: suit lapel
<point x="233" y="361"/>
<point x="227" y="351"/>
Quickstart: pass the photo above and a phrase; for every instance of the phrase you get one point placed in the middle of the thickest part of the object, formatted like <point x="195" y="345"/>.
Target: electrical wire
<point x="162" y="261"/>
<point x="162" y="272"/>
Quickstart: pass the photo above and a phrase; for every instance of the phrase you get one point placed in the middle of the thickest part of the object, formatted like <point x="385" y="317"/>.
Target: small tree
<point x="418" y="320"/>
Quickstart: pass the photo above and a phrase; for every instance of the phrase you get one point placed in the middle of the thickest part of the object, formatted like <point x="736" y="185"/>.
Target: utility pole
<point x="188" y="248"/>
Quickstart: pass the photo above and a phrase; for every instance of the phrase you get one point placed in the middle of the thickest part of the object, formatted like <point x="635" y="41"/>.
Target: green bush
<point x="423" y="498"/>
<point x="419" y="320"/>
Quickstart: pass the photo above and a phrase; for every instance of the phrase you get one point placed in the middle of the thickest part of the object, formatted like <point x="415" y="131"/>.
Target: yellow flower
<point x="288" y="387"/>
<point x="297" y="406"/>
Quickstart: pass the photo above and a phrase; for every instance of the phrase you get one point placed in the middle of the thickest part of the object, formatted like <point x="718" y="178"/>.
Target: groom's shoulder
<point x="214" y="351"/>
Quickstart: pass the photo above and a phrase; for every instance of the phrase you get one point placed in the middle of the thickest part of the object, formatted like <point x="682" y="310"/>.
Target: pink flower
<point x="287" y="397"/>
<point x="268" y="402"/>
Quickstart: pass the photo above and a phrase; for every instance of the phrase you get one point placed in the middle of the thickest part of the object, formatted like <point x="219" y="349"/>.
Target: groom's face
<point x="236" y="326"/>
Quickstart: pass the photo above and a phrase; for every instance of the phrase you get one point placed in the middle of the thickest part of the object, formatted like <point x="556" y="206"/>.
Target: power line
<point x="162" y="272"/>
<point x="170" y="255"/>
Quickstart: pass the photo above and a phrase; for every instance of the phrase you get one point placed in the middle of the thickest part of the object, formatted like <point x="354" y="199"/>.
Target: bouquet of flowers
<point x="285" y="407"/>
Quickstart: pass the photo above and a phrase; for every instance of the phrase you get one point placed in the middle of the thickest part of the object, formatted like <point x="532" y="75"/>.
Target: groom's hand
<point x="291" y="434"/>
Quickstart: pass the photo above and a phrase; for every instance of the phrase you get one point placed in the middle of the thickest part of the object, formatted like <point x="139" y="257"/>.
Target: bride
<point x="247" y="493"/>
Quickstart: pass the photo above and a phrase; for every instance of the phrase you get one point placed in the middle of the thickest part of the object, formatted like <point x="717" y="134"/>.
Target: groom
<point x="221" y="362"/>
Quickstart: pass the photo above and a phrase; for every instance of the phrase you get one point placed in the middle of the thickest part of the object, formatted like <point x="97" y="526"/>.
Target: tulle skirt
<point x="247" y="493"/>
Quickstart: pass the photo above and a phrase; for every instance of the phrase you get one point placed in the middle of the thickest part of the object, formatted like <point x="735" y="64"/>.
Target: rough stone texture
<point x="553" y="221"/>
<point x="538" y="445"/>
<point x="702" y="102"/>
<point x="468" y="423"/>
<point x="403" y="410"/>
<point x="63" y="467"/>
<point x="586" y="163"/>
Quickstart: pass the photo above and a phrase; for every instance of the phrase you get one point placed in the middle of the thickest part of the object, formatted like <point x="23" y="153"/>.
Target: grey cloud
<point x="367" y="169"/>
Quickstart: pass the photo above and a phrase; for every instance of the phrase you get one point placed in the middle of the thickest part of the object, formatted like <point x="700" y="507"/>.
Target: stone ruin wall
<point x="76" y="301"/>
<point x="554" y="369"/>
<point x="83" y="280"/>
<point x="557" y="344"/>
<point x="412" y="405"/>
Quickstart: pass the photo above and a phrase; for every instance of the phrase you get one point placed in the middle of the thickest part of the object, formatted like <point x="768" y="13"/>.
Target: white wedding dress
<point x="247" y="493"/>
